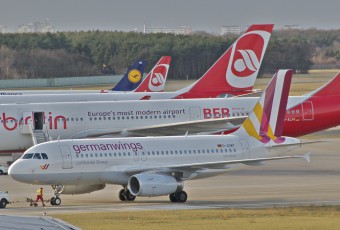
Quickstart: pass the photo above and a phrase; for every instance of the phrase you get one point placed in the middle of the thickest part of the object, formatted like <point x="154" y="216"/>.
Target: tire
<point x="129" y="196"/>
<point x="3" y="203"/>
<point x="121" y="195"/>
<point x="57" y="201"/>
<point x="52" y="201"/>
<point x="1" y="172"/>
<point x="172" y="197"/>
<point x="181" y="197"/>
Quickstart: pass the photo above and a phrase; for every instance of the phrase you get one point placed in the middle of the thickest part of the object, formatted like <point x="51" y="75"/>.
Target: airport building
<point x="230" y="30"/>
<point x="36" y="27"/>
<point x="3" y="29"/>
<point x="183" y="30"/>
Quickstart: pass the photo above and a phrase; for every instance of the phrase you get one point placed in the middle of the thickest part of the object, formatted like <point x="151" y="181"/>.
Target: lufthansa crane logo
<point x="135" y="76"/>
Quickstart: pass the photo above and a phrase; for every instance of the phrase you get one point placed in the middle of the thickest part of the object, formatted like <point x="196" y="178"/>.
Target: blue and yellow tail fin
<point x="132" y="78"/>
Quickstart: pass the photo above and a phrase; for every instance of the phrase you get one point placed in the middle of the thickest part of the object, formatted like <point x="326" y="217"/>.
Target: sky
<point x="207" y="15"/>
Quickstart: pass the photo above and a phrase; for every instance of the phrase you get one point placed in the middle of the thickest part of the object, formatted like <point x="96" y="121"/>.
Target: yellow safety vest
<point x="39" y="192"/>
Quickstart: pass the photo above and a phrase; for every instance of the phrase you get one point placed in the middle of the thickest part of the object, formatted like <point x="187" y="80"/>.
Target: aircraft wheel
<point x="129" y="196"/>
<point x="172" y="197"/>
<point x="52" y="201"/>
<point x="3" y="203"/>
<point x="121" y="195"/>
<point x="181" y="196"/>
<point x="57" y="201"/>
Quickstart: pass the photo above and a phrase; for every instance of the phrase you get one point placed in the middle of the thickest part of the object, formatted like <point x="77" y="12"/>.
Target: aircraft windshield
<point x="35" y="156"/>
<point x="27" y="156"/>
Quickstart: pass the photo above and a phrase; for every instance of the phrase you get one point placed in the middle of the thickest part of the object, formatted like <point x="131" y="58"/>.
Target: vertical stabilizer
<point x="132" y="78"/>
<point x="265" y="123"/>
<point x="238" y="67"/>
<point x="155" y="80"/>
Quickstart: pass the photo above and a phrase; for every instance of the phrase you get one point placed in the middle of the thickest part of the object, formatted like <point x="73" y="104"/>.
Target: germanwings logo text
<point x="245" y="59"/>
<point x="157" y="79"/>
<point x="44" y="167"/>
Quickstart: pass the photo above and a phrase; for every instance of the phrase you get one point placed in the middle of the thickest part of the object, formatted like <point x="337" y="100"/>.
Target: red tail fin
<point x="331" y="88"/>
<point x="238" y="67"/>
<point x="155" y="80"/>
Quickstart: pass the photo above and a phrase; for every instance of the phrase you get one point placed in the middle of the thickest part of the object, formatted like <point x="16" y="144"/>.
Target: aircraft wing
<point x="206" y="126"/>
<point x="197" y="167"/>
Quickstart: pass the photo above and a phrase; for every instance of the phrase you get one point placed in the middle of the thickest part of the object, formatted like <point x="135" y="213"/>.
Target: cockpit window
<point x="44" y="156"/>
<point x="27" y="156"/>
<point x="36" y="156"/>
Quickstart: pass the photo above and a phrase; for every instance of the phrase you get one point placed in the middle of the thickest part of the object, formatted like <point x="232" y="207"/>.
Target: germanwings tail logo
<point x="155" y="80"/>
<point x="265" y="123"/>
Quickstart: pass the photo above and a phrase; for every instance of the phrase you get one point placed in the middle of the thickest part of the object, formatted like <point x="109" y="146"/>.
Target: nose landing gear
<point x="57" y="191"/>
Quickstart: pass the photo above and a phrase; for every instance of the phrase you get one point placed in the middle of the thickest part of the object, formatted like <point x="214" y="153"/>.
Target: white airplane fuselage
<point x="113" y="161"/>
<point x="93" y="119"/>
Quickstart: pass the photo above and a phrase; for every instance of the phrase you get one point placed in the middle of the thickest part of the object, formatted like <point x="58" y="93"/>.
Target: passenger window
<point x="44" y="156"/>
<point x="27" y="156"/>
<point x="36" y="156"/>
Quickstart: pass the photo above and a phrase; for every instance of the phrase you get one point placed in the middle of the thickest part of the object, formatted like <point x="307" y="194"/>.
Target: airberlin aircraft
<point x="312" y="112"/>
<point x="234" y="73"/>
<point x="157" y="166"/>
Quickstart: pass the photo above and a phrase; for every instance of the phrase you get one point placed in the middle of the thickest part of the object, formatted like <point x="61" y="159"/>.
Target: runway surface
<point x="291" y="182"/>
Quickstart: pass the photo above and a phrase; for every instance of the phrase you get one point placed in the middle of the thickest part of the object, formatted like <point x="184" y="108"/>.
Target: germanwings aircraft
<point x="20" y="124"/>
<point x="234" y="73"/>
<point x="157" y="166"/>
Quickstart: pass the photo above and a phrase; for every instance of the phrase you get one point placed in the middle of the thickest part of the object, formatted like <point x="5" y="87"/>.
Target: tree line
<point x="66" y="54"/>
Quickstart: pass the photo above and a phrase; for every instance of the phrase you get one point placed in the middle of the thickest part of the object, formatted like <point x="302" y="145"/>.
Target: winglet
<point x="265" y="123"/>
<point x="132" y="78"/>
<point x="155" y="80"/>
<point x="237" y="69"/>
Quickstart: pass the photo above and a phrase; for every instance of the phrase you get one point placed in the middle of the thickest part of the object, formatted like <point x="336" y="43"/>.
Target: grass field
<point x="304" y="218"/>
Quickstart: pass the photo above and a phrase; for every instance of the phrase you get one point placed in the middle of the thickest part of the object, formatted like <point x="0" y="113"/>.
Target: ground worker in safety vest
<point x="39" y="197"/>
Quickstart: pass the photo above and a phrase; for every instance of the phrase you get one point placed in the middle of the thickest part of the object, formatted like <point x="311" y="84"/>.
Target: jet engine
<point x="154" y="185"/>
<point x="81" y="189"/>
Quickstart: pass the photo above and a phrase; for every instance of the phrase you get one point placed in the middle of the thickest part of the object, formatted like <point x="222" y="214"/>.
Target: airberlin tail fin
<point x="236" y="70"/>
<point x="155" y="80"/>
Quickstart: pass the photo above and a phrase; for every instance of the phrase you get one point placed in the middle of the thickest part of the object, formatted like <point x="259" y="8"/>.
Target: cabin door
<point x="307" y="111"/>
<point x="245" y="149"/>
<point x="66" y="157"/>
<point x="195" y="113"/>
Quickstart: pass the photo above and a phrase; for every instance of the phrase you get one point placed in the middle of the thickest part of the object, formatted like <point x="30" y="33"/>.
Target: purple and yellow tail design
<point x="265" y="123"/>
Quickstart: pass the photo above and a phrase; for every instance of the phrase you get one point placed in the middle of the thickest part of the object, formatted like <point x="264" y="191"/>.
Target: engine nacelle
<point x="154" y="185"/>
<point x="81" y="189"/>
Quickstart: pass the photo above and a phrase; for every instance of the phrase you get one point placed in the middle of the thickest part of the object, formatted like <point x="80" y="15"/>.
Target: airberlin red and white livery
<point x="234" y="73"/>
<point x="157" y="166"/>
<point x="306" y="114"/>
<point x="155" y="80"/>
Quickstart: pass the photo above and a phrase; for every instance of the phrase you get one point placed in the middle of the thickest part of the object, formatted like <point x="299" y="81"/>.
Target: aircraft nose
<point x="18" y="171"/>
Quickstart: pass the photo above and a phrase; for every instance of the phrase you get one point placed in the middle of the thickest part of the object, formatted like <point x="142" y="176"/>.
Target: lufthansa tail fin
<point x="265" y="123"/>
<point x="237" y="69"/>
<point x="331" y="88"/>
<point x="132" y="78"/>
<point x="155" y="80"/>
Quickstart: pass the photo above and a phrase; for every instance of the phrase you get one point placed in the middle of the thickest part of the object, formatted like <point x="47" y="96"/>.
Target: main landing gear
<point x="179" y="197"/>
<point x="57" y="190"/>
<point x="125" y="195"/>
